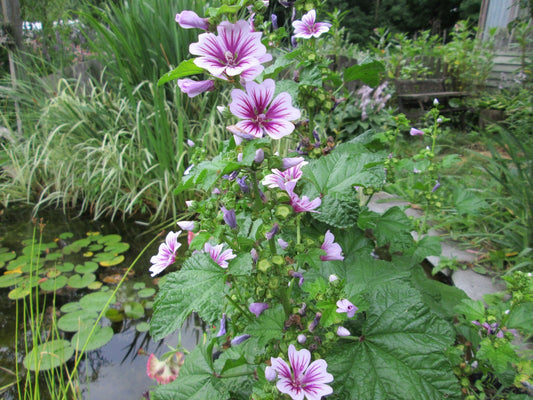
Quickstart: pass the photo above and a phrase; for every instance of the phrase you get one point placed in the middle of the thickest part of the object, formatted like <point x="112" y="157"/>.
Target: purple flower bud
<point x="222" y="330"/>
<point x="283" y="244"/>
<point x="194" y="88"/>
<point x="270" y="373"/>
<point x="292" y="161"/>
<point x="303" y="309"/>
<point x="190" y="143"/>
<point x="189" y="19"/>
<point x="295" y="274"/>
<point x="439" y="120"/>
<point x="239" y="157"/>
<point x="231" y="176"/>
<point x="243" y="185"/>
<point x="274" y="20"/>
<point x="416" y="132"/>
<point x="229" y="217"/>
<point x="437" y="185"/>
<point x="255" y="255"/>
<point x="259" y="156"/>
<point x="301" y="338"/>
<point x="315" y="135"/>
<point x="315" y="322"/>
<point x="257" y="308"/>
<point x="333" y="278"/>
<point x="275" y="229"/>
<point x="239" y="339"/>
<point x="342" y="331"/>
<point x="500" y="334"/>
<point x="294" y="43"/>
<point x="186" y="225"/>
<point x="435" y="102"/>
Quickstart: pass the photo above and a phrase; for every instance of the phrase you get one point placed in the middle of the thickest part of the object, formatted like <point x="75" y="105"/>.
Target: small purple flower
<point x="302" y="204"/>
<point x="342" y="331"/>
<point x="270" y="234"/>
<point x="298" y="275"/>
<point x="166" y="254"/>
<point x="219" y="256"/>
<point x="261" y="113"/>
<point x="222" y="330"/>
<point x="416" y="132"/>
<point x="243" y="185"/>
<point x="235" y="51"/>
<point x="345" y="306"/>
<point x="437" y="185"/>
<point x="308" y="27"/>
<point x="239" y="339"/>
<point x="301" y="338"/>
<point x="257" y="308"/>
<point x="186" y="225"/>
<point x="301" y="378"/>
<point x="229" y="217"/>
<point x="194" y="88"/>
<point x="278" y="178"/>
<point x="333" y="278"/>
<point x="190" y="143"/>
<point x="283" y="244"/>
<point x="189" y="19"/>
<point x="255" y="255"/>
<point x="333" y="250"/>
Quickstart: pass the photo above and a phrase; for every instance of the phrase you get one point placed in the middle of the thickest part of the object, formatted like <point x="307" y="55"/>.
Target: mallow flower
<point x="301" y="377"/>
<point x="257" y="308"/>
<point x="166" y="254"/>
<point x="236" y="51"/>
<point x="278" y="178"/>
<point x="261" y="113"/>
<point x="333" y="250"/>
<point x="219" y="256"/>
<point x="346" y="306"/>
<point x="308" y="27"/>
<point x="164" y="371"/>
<point x="302" y="204"/>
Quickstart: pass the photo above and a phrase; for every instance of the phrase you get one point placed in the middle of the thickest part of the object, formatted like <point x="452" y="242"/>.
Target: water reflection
<point x="118" y="370"/>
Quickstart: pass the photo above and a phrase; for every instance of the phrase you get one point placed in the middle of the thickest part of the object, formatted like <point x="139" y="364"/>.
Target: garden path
<point x="473" y="284"/>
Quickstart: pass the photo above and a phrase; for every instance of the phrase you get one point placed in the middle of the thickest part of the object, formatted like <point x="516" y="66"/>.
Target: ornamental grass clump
<point x="282" y="260"/>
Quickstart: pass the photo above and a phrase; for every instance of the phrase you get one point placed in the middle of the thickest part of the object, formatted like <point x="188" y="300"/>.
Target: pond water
<point x="118" y="369"/>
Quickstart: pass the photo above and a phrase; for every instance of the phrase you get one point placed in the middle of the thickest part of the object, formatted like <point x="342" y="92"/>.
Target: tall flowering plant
<point x="282" y="262"/>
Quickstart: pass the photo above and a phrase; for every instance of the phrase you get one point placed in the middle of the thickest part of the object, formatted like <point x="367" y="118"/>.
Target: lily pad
<point x="71" y="307"/>
<point x="139" y="285"/>
<point x="82" y="242"/>
<point x="52" y="284"/>
<point x="53" y="273"/>
<point x="114" y="315"/>
<point x="77" y="320"/>
<point x="80" y="281"/>
<point x="71" y="248"/>
<point x="133" y="310"/>
<point x="48" y="355"/>
<point x="114" y="261"/>
<point x="19" y="292"/>
<point x="87" y="267"/>
<point x="109" y="239"/>
<point x="96" y="247"/>
<point x="96" y="301"/>
<point x="88" y="254"/>
<point x="66" y="235"/>
<point x="144" y="293"/>
<point x="53" y="256"/>
<point x="117" y="248"/>
<point x="142" y="327"/>
<point x="100" y="337"/>
<point x="10" y="279"/>
<point x="65" y="267"/>
<point x="5" y="257"/>
<point x="95" y="285"/>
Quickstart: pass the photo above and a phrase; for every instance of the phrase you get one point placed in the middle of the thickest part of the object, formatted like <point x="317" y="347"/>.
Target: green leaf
<point x="133" y="310"/>
<point x="95" y="302"/>
<point x="241" y="265"/>
<point x="224" y="9"/>
<point x="99" y="338"/>
<point x="196" y="380"/>
<point x="12" y="279"/>
<point x="205" y="174"/>
<point x="48" y="355"/>
<point x="499" y="357"/>
<point x="185" y="68"/>
<point x="400" y="354"/>
<point x="52" y="284"/>
<point x="78" y="281"/>
<point x="392" y="227"/>
<point x="339" y="210"/>
<point x="147" y="292"/>
<point x="77" y="320"/>
<point x="520" y="318"/>
<point x="426" y="247"/>
<point x="471" y="310"/>
<point x="279" y="65"/>
<point x="367" y="72"/>
<point x="199" y="286"/>
<point x="268" y="326"/>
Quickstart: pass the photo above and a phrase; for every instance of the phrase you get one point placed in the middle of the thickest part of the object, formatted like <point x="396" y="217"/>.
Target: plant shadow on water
<point x="116" y="369"/>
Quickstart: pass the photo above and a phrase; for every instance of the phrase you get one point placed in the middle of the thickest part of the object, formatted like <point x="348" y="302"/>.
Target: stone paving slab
<point x="473" y="284"/>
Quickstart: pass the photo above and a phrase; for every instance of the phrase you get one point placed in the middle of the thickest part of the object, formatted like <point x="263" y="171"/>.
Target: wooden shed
<point x="509" y="57"/>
